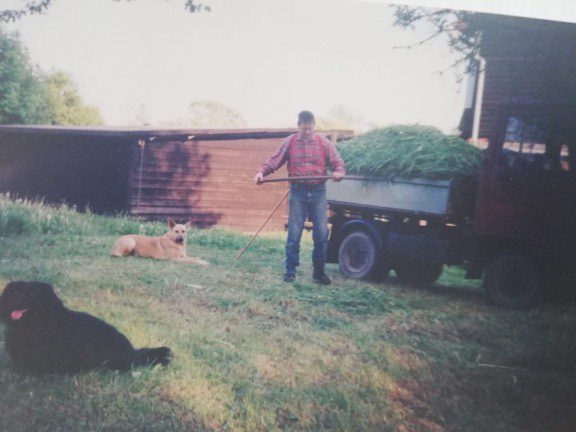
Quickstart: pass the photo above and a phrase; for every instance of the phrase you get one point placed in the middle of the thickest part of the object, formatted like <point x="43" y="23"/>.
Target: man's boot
<point x="320" y="277"/>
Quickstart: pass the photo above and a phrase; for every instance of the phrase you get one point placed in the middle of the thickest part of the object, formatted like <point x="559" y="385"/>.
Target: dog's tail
<point x="152" y="356"/>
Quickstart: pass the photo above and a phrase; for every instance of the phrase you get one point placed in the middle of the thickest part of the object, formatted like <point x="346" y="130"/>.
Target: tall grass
<point x="24" y="217"/>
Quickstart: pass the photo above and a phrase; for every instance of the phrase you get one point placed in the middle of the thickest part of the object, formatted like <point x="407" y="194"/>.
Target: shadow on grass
<point x="440" y="291"/>
<point x="94" y="401"/>
<point x="461" y="293"/>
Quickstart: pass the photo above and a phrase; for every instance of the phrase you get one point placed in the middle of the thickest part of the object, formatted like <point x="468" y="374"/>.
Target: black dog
<point x="44" y="337"/>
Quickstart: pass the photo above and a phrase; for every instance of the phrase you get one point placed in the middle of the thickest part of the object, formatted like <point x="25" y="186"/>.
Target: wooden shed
<point x="200" y="175"/>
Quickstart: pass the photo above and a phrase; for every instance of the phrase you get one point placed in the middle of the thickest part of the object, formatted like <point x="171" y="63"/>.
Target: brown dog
<point x="170" y="246"/>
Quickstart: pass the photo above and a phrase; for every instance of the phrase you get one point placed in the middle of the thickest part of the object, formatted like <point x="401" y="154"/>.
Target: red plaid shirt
<point x="306" y="157"/>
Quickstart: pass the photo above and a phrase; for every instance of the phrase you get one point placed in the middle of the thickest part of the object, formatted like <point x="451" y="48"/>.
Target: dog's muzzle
<point x="179" y="240"/>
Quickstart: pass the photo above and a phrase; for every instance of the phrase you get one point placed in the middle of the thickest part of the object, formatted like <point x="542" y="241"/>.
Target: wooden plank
<point x="222" y="171"/>
<point x="234" y="160"/>
<point x="197" y="153"/>
<point x="207" y="181"/>
<point x="188" y="211"/>
<point x="213" y="201"/>
<point x="206" y="189"/>
<point x="240" y="178"/>
<point x="236" y="207"/>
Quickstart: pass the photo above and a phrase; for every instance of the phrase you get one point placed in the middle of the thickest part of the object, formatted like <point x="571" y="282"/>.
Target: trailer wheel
<point x="512" y="280"/>
<point x="418" y="272"/>
<point x="358" y="257"/>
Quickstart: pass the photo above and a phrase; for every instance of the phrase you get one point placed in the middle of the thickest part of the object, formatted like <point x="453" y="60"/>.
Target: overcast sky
<point x="267" y="59"/>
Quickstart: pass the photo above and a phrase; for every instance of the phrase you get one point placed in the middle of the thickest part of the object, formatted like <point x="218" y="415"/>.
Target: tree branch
<point x="33" y="7"/>
<point x="463" y="35"/>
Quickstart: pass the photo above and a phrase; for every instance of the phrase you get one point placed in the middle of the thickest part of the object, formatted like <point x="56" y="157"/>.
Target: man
<point x="306" y="154"/>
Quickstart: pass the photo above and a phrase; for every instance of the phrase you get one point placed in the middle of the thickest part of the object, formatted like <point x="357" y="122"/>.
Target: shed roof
<point x="160" y="134"/>
<point x="146" y="132"/>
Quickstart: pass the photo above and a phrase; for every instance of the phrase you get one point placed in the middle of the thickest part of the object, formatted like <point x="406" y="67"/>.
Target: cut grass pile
<point x="252" y="353"/>
<point x="410" y="152"/>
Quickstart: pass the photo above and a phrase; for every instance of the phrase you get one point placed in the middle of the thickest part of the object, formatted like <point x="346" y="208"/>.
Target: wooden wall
<point x="207" y="182"/>
<point x="527" y="60"/>
<point x="83" y="171"/>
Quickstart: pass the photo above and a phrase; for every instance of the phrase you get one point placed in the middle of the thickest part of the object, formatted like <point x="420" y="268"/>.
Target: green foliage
<point x="65" y="105"/>
<point x="410" y="152"/>
<point x="32" y="7"/>
<point x="22" y="98"/>
<point x="341" y="117"/>
<point x="27" y="96"/>
<point x="194" y="6"/>
<point x="29" y="8"/>
<point x="206" y="113"/>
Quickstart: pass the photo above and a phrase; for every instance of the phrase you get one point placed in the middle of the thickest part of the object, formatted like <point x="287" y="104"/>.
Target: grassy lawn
<point x="252" y="353"/>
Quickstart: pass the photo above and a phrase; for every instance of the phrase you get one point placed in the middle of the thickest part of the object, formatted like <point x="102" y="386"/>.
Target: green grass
<point x="254" y="354"/>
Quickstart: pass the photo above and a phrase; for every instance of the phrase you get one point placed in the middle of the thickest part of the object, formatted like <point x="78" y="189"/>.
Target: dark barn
<point x="523" y="61"/>
<point x="200" y="175"/>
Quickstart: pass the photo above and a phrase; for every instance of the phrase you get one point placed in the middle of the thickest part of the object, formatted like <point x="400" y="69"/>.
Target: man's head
<point x="306" y="124"/>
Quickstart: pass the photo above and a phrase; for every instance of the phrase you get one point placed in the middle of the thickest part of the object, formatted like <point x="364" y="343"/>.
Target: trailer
<point x="402" y="224"/>
<point x="514" y="226"/>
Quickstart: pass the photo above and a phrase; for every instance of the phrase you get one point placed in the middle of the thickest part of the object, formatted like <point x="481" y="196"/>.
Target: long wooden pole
<point x="260" y="229"/>
<point x="281" y="179"/>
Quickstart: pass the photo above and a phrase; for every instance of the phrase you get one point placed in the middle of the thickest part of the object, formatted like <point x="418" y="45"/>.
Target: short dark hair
<point x="306" y="117"/>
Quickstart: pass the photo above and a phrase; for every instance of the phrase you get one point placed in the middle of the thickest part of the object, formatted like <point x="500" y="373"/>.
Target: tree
<point x="28" y="96"/>
<point x="22" y="97"/>
<point x="38" y="6"/>
<point x="211" y="114"/>
<point x="340" y="117"/>
<point x="463" y="29"/>
<point x="65" y="105"/>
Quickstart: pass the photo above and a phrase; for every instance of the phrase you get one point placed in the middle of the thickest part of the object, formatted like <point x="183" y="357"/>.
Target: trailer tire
<point x="513" y="280"/>
<point x="418" y="272"/>
<point x="359" y="255"/>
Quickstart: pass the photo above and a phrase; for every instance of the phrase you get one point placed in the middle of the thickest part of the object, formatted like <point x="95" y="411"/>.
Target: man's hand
<point x="337" y="176"/>
<point x="259" y="178"/>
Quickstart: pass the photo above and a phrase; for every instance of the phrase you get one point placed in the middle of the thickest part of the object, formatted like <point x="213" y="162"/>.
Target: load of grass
<point x="410" y="151"/>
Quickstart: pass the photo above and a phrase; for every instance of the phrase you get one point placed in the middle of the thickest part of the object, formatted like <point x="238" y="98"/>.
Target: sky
<point x="147" y="60"/>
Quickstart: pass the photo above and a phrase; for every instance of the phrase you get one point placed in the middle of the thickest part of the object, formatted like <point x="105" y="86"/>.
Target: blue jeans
<point x="307" y="200"/>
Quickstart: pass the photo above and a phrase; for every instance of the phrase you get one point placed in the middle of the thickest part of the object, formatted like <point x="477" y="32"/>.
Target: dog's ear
<point x="171" y="223"/>
<point x="13" y="286"/>
<point x="47" y="296"/>
<point x="188" y="224"/>
<point x="4" y="298"/>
